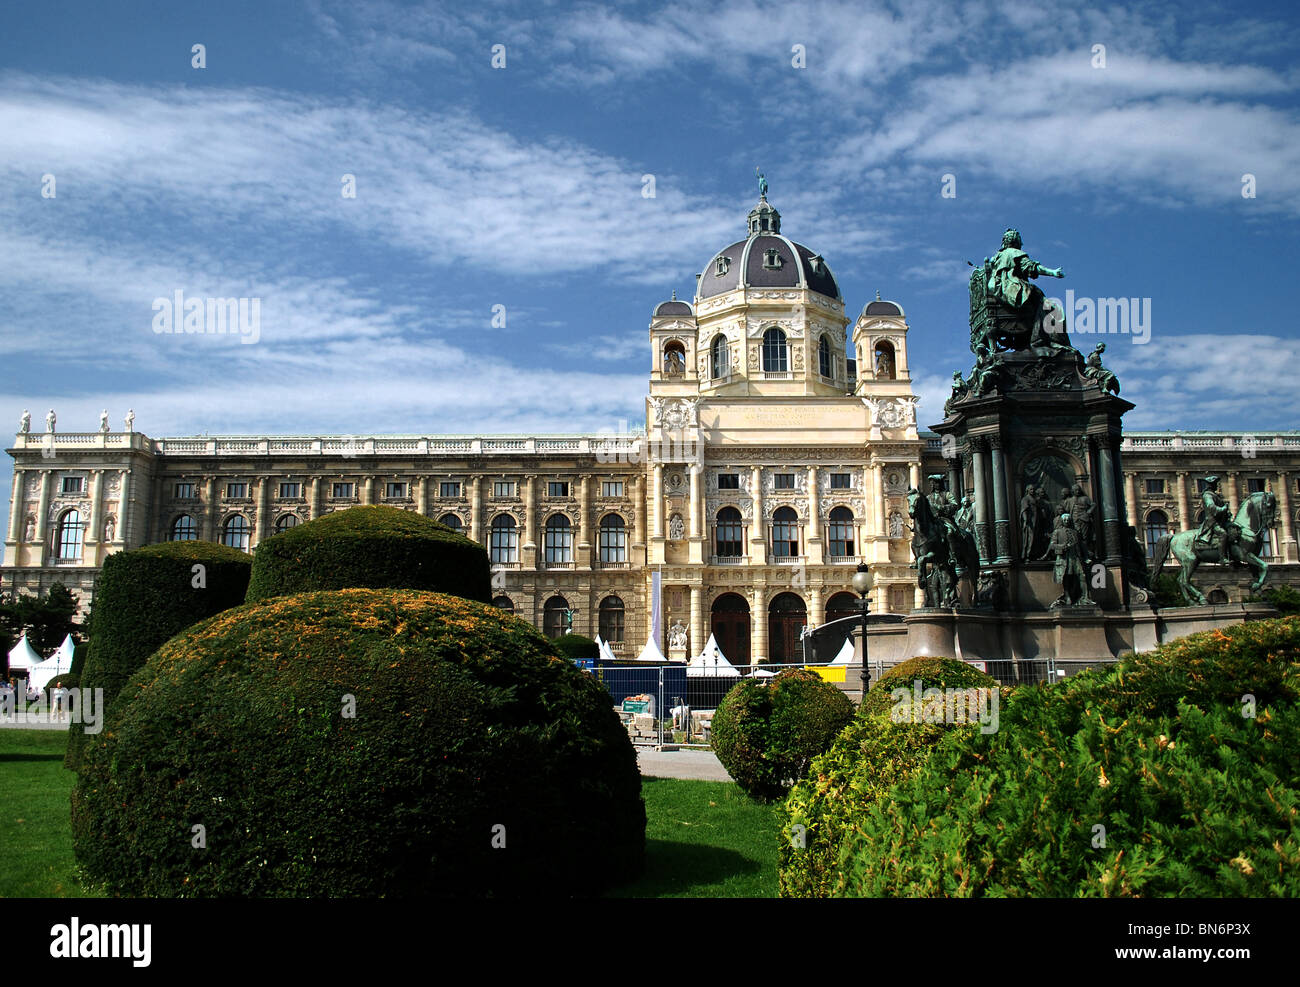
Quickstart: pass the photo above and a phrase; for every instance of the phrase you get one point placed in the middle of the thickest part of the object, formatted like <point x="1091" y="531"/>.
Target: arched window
<point x="731" y="534"/>
<point x="841" y="532"/>
<point x="71" y="532"/>
<point x="559" y="539"/>
<point x="285" y="522"/>
<point x="785" y="532"/>
<point x="235" y="532"/>
<point x="184" y="528"/>
<point x="505" y="539"/>
<point x="611" y="619"/>
<point x="504" y="603"/>
<point x="1157" y="528"/>
<point x="884" y="361"/>
<point x="555" y="617"/>
<point x="451" y="520"/>
<point x="719" y="360"/>
<point x="674" y="359"/>
<point x="613" y="539"/>
<point x="824" y="366"/>
<point x="776" y="355"/>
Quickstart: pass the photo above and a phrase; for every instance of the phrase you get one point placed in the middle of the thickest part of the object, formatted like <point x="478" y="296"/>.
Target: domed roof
<point x="879" y="307"/>
<point x="673" y="307"/>
<point x="766" y="259"/>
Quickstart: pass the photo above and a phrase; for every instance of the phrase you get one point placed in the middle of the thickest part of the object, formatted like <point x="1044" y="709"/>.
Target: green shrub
<point x="1284" y="598"/>
<point x="575" y="646"/>
<point x="766" y="734"/>
<point x="68" y="680"/>
<point x="1158" y="777"/>
<point x="146" y="596"/>
<point x="360" y="742"/>
<point x="370" y="546"/>
<point x="865" y="761"/>
<point x="79" y="652"/>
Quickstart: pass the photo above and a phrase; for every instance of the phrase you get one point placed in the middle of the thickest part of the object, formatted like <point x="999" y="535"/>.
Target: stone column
<point x="1131" y="500"/>
<point x="697" y="500"/>
<point x="982" y="530"/>
<point x="816" y="607"/>
<point x="42" y="518"/>
<point x="657" y="518"/>
<point x="878" y="477"/>
<point x="584" y="553"/>
<point x="476" y="509"/>
<point x="314" y="497"/>
<point x="126" y="524"/>
<point x="95" y="523"/>
<point x="813" y="547"/>
<point x="529" y="548"/>
<point x="421" y="484"/>
<point x="16" y="510"/>
<point x="954" y="478"/>
<point x="639" y="510"/>
<point x="1001" y="516"/>
<point x="1288" y="547"/>
<point x="914" y="474"/>
<point x="210" y="532"/>
<point x="1185" y="520"/>
<point x="263" y="510"/>
<point x="758" y="625"/>
<point x="757" y="530"/>
<point x="1109" y="501"/>
<point x="1233" y="502"/>
<point x="698" y="633"/>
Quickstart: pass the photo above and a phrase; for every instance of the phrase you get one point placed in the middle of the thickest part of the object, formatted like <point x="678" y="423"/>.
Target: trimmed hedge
<point x="1171" y="774"/>
<point x="767" y="733"/>
<point x="575" y="646"/>
<point x="465" y="719"/>
<point x="871" y="755"/>
<point x="146" y="596"/>
<point x="370" y="546"/>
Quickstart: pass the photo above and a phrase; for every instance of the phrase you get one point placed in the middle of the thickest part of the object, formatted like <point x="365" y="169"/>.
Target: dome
<point x="673" y="307"/>
<point x="766" y="259"/>
<point x="882" y="308"/>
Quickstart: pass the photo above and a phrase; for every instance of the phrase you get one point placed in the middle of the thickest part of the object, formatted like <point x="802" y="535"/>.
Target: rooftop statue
<point x="762" y="184"/>
<point x="1007" y="311"/>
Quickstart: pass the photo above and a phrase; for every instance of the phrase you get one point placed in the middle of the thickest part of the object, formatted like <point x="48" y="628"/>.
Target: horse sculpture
<point x="1256" y="515"/>
<point x="938" y="561"/>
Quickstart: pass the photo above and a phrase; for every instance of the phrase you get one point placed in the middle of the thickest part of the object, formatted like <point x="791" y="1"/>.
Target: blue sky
<point x="522" y="186"/>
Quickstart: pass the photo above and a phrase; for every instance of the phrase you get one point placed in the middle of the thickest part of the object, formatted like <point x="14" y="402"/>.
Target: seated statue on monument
<point x="1006" y="310"/>
<point x="1094" y="371"/>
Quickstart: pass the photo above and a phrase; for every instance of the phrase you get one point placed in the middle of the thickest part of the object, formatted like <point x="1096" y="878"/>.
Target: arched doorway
<point x="729" y="622"/>
<point x="838" y="607"/>
<point x="786" y="616"/>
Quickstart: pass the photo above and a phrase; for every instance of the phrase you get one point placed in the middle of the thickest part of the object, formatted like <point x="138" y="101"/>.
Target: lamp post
<point x="862" y="582"/>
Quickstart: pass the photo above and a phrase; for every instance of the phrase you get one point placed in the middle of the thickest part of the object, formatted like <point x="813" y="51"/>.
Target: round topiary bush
<point x="370" y="546"/>
<point x="360" y="742"/>
<point x="874" y="752"/>
<point x="1168" y="774"/>
<point x="576" y="646"/>
<point x="767" y="733"/>
<point x="146" y="596"/>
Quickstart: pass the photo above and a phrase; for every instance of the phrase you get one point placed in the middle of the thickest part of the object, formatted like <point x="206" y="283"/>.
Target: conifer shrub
<point x="870" y="755"/>
<point x="360" y="742"/>
<point x="146" y="596"/>
<point x="766" y="733"/>
<point x="370" y="546"/>
<point x="576" y="646"/>
<point x="1169" y="774"/>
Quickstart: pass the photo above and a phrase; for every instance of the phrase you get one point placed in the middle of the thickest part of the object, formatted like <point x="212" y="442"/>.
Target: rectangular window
<point x="728" y="481"/>
<point x="841" y="481"/>
<point x="611" y="488"/>
<point x="1255" y="485"/>
<point x="72" y="484"/>
<point x="184" y="491"/>
<point x="784" y="481"/>
<point x="236" y="490"/>
<point x="342" y="491"/>
<point x="291" y="488"/>
<point x="1155" y="486"/>
<point x="396" y="488"/>
<point x="503" y="488"/>
<point x="557" y="488"/>
<point x="449" y="489"/>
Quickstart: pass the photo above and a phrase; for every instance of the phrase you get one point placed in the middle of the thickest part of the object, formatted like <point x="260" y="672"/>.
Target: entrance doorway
<point x="729" y="622"/>
<point x="786" y="616"/>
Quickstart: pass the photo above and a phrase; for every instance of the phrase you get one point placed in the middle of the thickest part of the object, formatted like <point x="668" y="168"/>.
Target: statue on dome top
<point x="762" y="184"/>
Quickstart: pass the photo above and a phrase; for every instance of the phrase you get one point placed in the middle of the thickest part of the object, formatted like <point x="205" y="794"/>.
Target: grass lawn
<point x="35" y="836"/>
<point x="703" y="838"/>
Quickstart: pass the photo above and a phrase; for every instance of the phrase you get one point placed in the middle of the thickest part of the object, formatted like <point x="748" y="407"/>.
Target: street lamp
<point x="862" y="582"/>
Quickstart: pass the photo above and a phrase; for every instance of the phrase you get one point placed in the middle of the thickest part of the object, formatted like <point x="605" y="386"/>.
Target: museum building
<point x="779" y="444"/>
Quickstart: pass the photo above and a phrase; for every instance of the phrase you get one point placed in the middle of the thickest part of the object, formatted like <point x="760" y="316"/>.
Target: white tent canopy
<point x="22" y="657"/>
<point x="651" y="652"/>
<point x="59" y="663"/>
<point x="847" y="653"/>
<point x="711" y="662"/>
<point x="605" y="652"/>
